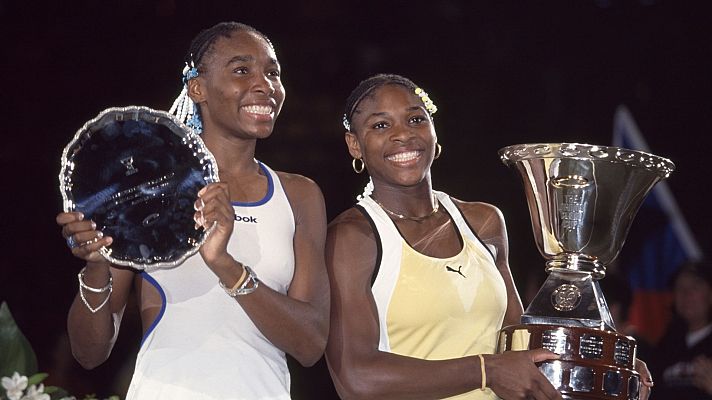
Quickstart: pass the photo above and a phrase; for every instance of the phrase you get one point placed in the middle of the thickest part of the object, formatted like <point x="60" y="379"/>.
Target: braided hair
<point x="366" y="88"/>
<point x="202" y="45"/>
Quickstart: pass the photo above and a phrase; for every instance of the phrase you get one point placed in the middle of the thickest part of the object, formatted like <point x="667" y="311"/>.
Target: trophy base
<point x="594" y="364"/>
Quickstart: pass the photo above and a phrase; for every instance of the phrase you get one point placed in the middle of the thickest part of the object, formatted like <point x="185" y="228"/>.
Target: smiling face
<point x="394" y="135"/>
<point x="239" y="89"/>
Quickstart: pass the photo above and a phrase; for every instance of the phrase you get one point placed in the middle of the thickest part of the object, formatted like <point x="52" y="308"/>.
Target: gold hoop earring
<point x="438" y="150"/>
<point x="353" y="165"/>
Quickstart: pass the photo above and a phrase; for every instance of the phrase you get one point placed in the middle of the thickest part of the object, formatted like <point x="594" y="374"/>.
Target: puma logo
<point x="458" y="270"/>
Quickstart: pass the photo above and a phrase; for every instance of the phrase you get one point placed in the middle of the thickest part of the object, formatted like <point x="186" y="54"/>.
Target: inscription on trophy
<point x="554" y="341"/>
<point x="571" y="209"/>
<point x="566" y="297"/>
<point x="591" y="346"/>
<point x="143" y="192"/>
<point x="571" y="212"/>
<point x="621" y="354"/>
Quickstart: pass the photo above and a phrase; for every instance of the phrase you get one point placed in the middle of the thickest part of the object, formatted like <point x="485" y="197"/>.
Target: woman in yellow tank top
<point x="420" y="281"/>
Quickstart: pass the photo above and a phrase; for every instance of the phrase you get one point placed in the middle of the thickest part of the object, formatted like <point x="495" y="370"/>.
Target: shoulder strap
<point x="461" y="222"/>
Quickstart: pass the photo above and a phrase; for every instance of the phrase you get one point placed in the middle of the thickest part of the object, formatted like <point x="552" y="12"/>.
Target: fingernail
<point x="99" y="235"/>
<point x="200" y="193"/>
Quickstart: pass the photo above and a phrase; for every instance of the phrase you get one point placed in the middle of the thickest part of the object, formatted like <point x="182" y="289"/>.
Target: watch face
<point x="136" y="173"/>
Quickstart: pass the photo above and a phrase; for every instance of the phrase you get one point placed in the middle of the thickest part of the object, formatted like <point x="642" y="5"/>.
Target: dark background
<point x="501" y="73"/>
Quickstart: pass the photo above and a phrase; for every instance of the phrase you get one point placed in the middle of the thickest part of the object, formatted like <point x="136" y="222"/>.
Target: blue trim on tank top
<point x="158" y="287"/>
<point x="268" y="196"/>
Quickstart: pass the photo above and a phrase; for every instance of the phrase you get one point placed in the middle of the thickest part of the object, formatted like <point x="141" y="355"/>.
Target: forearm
<point x="91" y="335"/>
<point x="295" y="327"/>
<point x="392" y="376"/>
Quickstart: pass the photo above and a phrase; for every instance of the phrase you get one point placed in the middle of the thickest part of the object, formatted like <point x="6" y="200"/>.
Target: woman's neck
<point x="235" y="156"/>
<point x="415" y="201"/>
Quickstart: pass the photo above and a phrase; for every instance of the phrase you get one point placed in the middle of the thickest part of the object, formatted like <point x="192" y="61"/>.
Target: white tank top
<point x="202" y="344"/>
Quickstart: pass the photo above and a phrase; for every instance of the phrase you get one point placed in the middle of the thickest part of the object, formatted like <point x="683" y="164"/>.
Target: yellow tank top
<point x="436" y="308"/>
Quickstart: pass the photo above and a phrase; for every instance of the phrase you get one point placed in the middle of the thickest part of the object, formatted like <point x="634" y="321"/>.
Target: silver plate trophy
<point x="582" y="200"/>
<point x="136" y="173"/>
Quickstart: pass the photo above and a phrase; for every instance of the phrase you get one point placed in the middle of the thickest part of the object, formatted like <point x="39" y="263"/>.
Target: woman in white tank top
<point x="219" y="325"/>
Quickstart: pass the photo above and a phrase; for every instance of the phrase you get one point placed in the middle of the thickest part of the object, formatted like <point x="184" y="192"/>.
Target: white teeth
<point x="255" y="109"/>
<point x="403" y="157"/>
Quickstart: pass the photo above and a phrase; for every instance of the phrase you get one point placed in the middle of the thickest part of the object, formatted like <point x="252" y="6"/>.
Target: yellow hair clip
<point x="429" y="105"/>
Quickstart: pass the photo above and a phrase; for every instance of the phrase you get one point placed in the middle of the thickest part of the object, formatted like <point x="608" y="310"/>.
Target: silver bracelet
<point x="248" y="286"/>
<point x="83" y="286"/>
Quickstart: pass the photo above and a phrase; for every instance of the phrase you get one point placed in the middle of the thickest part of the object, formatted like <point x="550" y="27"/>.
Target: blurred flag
<point x="658" y="243"/>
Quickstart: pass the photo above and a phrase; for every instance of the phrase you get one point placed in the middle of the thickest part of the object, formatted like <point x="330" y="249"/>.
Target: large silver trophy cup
<point x="582" y="200"/>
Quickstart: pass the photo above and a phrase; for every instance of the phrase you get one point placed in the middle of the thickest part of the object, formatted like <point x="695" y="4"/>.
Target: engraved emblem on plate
<point x="621" y="354"/>
<point x="566" y="297"/>
<point x="590" y="346"/>
<point x="555" y="341"/>
<point x="633" y="387"/>
<point x="581" y="379"/>
<point x="553" y="372"/>
<point x="128" y="163"/>
<point x="612" y="383"/>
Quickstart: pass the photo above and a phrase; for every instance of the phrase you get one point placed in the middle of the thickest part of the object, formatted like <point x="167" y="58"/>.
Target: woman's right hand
<point x="513" y="375"/>
<point x="86" y="239"/>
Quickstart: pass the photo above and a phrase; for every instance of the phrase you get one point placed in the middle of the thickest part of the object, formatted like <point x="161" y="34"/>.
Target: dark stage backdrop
<point x="501" y="73"/>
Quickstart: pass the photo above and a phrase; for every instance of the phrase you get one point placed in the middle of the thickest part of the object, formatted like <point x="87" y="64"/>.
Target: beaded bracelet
<point x="83" y="286"/>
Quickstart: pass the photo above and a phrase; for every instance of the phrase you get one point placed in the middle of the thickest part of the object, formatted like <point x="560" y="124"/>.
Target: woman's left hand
<point x="645" y="377"/>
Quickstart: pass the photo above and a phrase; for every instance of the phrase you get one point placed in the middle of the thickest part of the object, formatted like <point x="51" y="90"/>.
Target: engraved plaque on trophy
<point x="582" y="200"/>
<point x="136" y="173"/>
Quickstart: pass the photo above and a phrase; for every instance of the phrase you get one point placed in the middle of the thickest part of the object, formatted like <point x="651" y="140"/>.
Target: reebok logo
<point x="457" y="271"/>
<point x="245" y="218"/>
